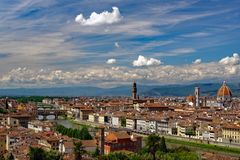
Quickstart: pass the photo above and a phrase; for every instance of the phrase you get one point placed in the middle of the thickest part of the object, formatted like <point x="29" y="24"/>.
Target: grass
<point x="203" y="146"/>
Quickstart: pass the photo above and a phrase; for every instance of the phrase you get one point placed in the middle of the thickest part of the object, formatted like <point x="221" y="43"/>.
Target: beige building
<point x="2" y="143"/>
<point x="9" y="121"/>
<point x="231" y="133"/>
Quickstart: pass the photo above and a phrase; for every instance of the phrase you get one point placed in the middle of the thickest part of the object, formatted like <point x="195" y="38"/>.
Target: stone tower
<point x="134" y="91"/>
<point x="197" y="96"/>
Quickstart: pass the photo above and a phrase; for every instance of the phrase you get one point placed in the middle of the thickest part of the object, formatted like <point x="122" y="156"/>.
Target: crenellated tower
<point x="134" y="90"/>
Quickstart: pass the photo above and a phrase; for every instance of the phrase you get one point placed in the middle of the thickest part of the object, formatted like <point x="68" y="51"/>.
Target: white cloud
<point x="183" y="51"/>
<point x="197" y="61"/>
<point x="232" y="70"/>
<point x="230" y="60"/>
<point x="196" y="35"/>
<point x="99" y="19"/>
<point x="104" y="75"/>
<point x="117" y="44"/>
<point x="111" y="61"/>
<point x="143" y="61"/>
<point x="108" y="75"/>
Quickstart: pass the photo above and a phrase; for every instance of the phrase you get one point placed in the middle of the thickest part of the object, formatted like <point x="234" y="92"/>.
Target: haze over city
<point x="112" y="43"/>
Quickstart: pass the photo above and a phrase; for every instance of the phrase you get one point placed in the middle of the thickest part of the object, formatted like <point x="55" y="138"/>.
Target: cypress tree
<point x="163" y="146"/>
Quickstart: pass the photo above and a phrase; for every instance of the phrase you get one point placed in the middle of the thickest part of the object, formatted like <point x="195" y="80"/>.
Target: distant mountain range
<point x="168" y="90"/>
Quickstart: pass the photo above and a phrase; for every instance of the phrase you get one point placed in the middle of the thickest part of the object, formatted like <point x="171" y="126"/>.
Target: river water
<point x="67" y="123"/>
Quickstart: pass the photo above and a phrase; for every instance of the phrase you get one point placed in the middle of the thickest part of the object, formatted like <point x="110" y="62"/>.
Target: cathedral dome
<point x="190" y="98"/>
<point x="224" y="91"/>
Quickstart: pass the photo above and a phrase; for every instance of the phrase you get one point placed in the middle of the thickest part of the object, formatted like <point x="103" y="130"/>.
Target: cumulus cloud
<point x="197" y="61"/>
<point x="230" y="60"/>
<point x="117" y="44"/>
<point x="143" y="61"/>
<point x="232" y="70"/>
<point x="111" y="61"/>
<point x="108" y="75"/>
<point x="100" y="18"/>
<point x="98" y="75"/>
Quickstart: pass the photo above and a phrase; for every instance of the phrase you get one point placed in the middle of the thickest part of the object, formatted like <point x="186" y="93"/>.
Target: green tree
<point x="82" y="134"/>
<point x="163" y="146"/>
<point x="3" y="111"/>
<point x="115" y="156"/>
<point x="10" y="157"/>
<point x="36" y="153"/>
<point x="190" y="132"/>
<point x="2" y="157"/>
<point x="78" y="150"/>
<point x="96" y="152"/>
<point x="85" y="134"/>
<point x="52" y="155"/>
<point x="153" y="143"/>
<point x="123" y="122"/>
<point x="40" y="154"/>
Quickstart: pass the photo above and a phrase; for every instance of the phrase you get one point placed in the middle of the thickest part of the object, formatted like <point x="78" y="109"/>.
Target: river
<point x="67" y="123"/>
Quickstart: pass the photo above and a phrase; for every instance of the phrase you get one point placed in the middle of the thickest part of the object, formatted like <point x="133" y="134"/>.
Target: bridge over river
<point x="50" y="114"/>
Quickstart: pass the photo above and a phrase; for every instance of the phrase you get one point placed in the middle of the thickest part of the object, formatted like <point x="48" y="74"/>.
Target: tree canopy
<point x="78" y="150"/>
<point x="82" y="134"/>
<point x="40" y="154"/>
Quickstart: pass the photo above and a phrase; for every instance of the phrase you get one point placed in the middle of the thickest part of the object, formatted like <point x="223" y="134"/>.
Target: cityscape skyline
<point x="113" y="43"/>
<point x="115" y="79"/>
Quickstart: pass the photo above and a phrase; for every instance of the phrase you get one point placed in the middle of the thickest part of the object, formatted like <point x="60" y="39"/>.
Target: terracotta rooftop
<point x="231" y="126"/>
<point x="89" y="143"/>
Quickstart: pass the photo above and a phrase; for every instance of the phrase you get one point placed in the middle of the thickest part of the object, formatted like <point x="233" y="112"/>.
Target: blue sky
<point x="42" y="43"/>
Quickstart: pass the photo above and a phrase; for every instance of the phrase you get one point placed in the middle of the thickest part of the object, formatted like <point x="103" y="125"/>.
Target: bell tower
<point x="197" y="96"/>
<point x="134" y="90"/>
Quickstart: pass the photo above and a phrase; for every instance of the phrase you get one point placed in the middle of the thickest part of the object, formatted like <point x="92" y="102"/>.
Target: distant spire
<point x="134" y="90"/>
<point x="224" y="83"/>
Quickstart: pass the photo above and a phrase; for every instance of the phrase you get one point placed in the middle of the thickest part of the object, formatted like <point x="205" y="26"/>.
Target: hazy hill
<point x="168" y="90"/>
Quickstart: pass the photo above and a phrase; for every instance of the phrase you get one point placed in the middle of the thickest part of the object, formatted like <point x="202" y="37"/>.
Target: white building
<point x="101" y="119"/>
<point x="141" y="125"/>
<point x="208" y="135"/>
<point x="47" y="101"/>
<point x="151" y="126"/>
<point x="91" y="117"/>
<point x="131" y="123"/>
<point x="116" y="121"/>
<point x="39" y="126"/>
<point x="163" y="127"/>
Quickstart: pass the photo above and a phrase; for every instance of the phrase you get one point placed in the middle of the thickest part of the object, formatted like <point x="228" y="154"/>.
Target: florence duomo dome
<point x="224" y="94"/>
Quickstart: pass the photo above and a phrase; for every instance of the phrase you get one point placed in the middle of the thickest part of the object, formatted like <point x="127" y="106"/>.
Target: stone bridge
<point x="45" y="113"/>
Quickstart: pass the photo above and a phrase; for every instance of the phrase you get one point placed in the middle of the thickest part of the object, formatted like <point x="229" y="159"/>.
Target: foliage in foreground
<point x="183" y="155"/>
<point x="155" y="143"/>
<point x="155" y="149"/>
<point x="205" y="146"/>
<point x="40" y="154"/>
<point x="79" y="150"/>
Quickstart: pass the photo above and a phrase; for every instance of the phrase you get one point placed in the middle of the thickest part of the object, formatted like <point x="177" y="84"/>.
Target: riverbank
<point x="175" y="141"/>
<point x="72" y="120"/>
<point x="204" y="147"/>
<point x="72" y="123"/>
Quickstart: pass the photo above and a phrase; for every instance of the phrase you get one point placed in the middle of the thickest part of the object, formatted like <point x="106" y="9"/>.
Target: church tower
<point x="197" y="96"/>
<point x="134" y="91"/>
